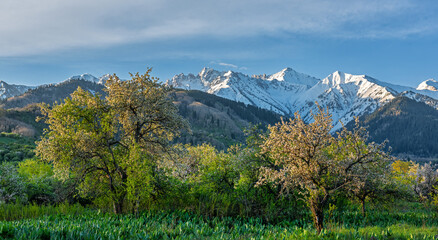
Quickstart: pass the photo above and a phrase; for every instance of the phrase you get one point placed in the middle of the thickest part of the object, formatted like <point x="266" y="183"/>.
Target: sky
<point x="48" y="41"/>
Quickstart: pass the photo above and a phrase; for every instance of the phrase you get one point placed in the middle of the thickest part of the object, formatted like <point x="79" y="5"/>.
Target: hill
<point x="410" y="126"/>
<point x="51" y="93"/>
<point x="213" y="119"/>
<point x="217" y="120"/>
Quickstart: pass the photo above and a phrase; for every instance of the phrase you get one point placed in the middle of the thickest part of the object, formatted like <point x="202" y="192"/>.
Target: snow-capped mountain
<point x="11" y="90"/>
<point x="429" y="84"/>
<point x="270" y="92"/>
<point x="291" y="76"/>
<point x="345" y="95"/>
<point x="89" y="77"/>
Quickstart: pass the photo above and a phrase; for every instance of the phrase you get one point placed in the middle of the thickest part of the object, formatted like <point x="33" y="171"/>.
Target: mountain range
<point x="11" y="90"/>
<point x="286" y="92"/>
<point x="219" y="105"/>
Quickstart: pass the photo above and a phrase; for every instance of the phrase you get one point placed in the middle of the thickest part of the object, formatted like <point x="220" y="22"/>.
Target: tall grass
<point x="186" y="225"/>
<point x="18" y="211"/>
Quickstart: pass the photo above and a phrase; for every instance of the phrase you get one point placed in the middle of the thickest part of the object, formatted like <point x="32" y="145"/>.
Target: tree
<point x="404" y="175"/>
<point x="426" y="182"/>
<point x="111" y="144"/>
<point x="39" y="180"/>
<point x="309" y="158"/>
<point x="373" y="181"/>
<point x="209" y="176"/>
<point x="12" y="186"/>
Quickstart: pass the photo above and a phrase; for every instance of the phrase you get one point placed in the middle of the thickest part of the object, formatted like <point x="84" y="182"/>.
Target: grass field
<point x="184" y="225"/>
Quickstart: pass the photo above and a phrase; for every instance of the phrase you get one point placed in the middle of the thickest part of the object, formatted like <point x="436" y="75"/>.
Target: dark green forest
<point x="410" y="127"/>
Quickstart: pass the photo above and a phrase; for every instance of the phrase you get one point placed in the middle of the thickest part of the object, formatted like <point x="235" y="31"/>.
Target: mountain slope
<point x="52" y="92"/>
<point x="430" y="84"/>
<point x="217" y="120"/>
<point x="11" y="90"/>
<point x="410" y="126"/>
<point x="213" y="119"/>
<point x="241" y="88"/>
<point x="345" y="95"/>
<point x="21" y="121"/>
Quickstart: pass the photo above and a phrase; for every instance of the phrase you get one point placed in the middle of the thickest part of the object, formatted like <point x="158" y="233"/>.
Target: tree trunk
<point x="317" y="204"/>
<point x="119" y="194"/>
<point x="118" y="206"/>
<point x="118" y="198"/>
<point x="318" y="218"/>
<point x="363" y="206"/>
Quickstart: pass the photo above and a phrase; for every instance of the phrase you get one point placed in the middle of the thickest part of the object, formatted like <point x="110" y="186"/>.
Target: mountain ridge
<point x="219" y="120"/>
<point x="288" y="91"/>
<point x="409" y="125"/>
<point x="9" y="90"/>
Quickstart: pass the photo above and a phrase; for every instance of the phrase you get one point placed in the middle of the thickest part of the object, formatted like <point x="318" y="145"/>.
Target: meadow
<point x="76" y="222"/>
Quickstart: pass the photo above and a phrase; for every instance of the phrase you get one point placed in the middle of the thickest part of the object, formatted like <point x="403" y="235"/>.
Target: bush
<point x="12" y="186"/>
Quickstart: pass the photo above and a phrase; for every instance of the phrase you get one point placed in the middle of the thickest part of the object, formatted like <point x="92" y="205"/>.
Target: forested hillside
<point x="51" y="93"/>
<point x="411" y="127"/>
<point x="216" y="120"/>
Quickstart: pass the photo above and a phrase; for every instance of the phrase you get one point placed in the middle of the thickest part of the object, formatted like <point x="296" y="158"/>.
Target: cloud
<point x="228" y="65"/>
<point x="33" y="27"/>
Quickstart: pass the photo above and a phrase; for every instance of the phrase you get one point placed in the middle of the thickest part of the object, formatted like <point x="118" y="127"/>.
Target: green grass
<point x="185" y="225"/>
<point x="18" y="211"/>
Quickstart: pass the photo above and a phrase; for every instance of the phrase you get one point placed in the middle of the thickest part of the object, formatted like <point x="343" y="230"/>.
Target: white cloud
<point x="228" y="65"/>
<point x="34" y="27"/>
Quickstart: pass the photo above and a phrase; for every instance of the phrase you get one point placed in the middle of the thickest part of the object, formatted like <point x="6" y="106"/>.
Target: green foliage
<point x="34" y="170"/>
<point x="33" y="181"/>
<point x="19" y="211"/>
<point x="111" y="144"/>
<point x="218" y="121"/>
<point x="184" y="225"/>
<point x="408" y="125"/>
<point x="216" y="183"/>
<point x="40" y="181"/>
<point x="15" y="148"/>
<point x="12" y="186"/>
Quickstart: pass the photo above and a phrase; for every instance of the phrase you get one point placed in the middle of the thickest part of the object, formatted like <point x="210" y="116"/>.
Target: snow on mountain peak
<point x="208" y="74"/>
<point x="103" y="79"/>
<point x="11" y="90"/>
<point x="429" y="84"/>
<point x="345" y="95"/>
<point x="291" y="76"/>
<point x="90" y="78"/>
<point x="85" y="76"/>
<point x="339" y="77"/>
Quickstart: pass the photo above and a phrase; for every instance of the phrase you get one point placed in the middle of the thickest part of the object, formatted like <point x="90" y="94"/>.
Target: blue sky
<point x="48" y="41"/>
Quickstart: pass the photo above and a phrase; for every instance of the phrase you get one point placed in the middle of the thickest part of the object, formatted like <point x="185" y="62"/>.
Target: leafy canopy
<point x="308" y="157"/>
<point x="111" y="144"/>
